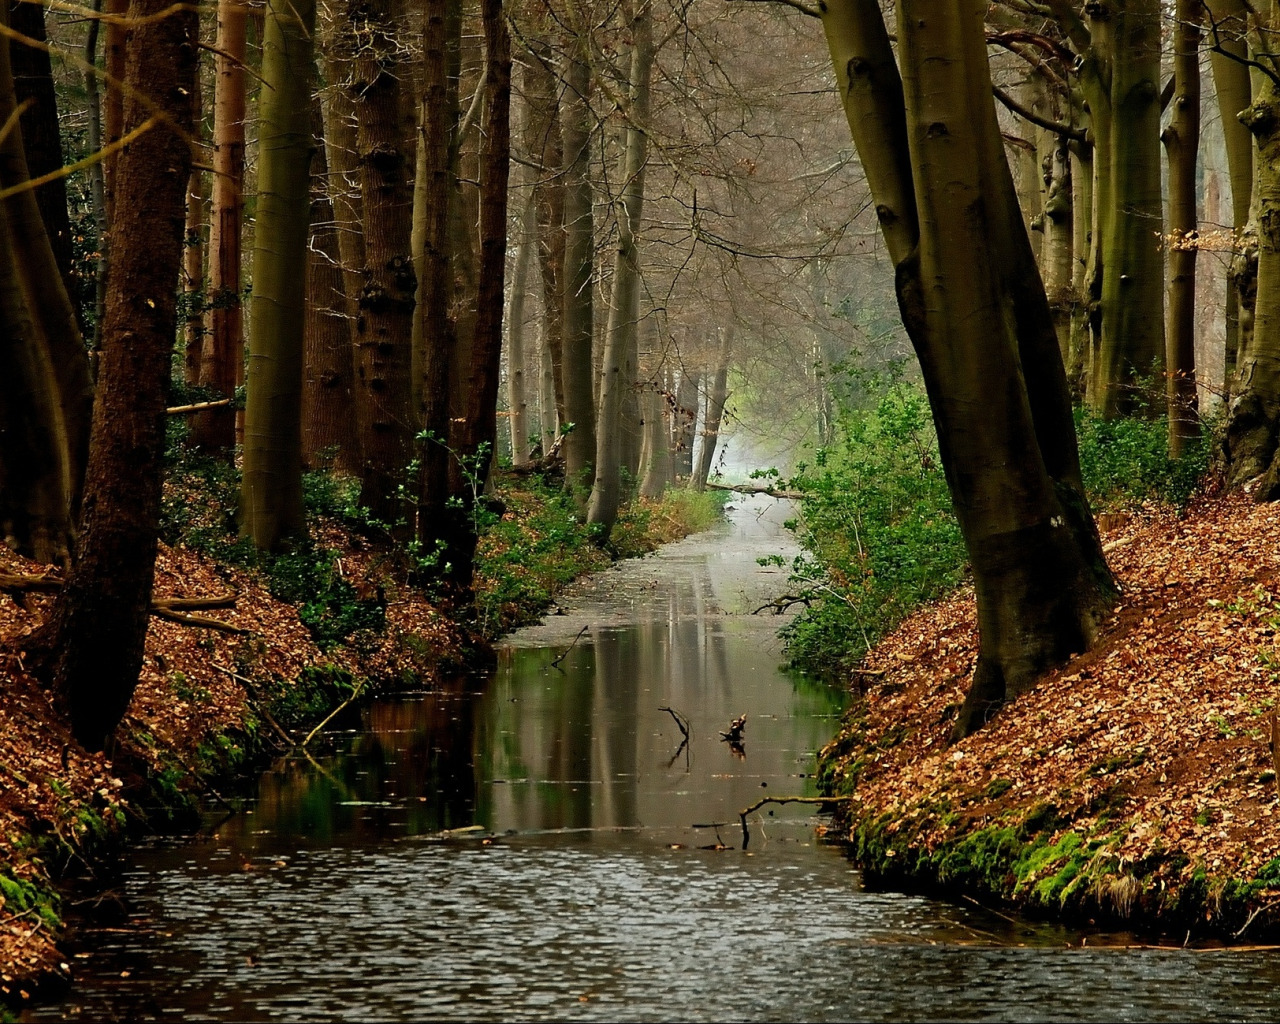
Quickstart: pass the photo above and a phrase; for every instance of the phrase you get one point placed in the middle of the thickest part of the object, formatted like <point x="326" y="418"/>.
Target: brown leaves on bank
<point x="1158" y="738"/>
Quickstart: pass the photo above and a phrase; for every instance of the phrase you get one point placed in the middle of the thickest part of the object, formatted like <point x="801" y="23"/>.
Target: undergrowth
<point x="877" y="529"/>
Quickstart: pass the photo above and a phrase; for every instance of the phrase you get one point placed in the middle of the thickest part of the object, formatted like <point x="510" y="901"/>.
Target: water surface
<point x="544" y="845"/>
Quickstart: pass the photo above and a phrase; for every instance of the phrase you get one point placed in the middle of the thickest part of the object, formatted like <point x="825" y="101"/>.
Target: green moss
<point x="998" y="787"/>
<point x="22" y="896"/>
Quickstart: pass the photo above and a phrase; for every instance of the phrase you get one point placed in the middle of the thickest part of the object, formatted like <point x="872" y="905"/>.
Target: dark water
<point x="543" y="847"/>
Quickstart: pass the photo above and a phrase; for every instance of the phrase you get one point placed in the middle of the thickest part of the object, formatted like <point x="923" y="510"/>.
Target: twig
<point x="556" y="663"/>
<point x="200" y="621"/>
<point x="742" y="815"/>
<point x="252" y="692"/>
<point x="190" y="604"/>
<point x="45" y="581"/>
<point x="1250" y="919"/>
<point x="681" y="721"/>
<point x="334" y="713"/>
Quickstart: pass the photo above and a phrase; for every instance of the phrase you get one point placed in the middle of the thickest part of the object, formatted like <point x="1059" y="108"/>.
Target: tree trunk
<point x="97" y="184"/>
<point x="271" y="490"/>
<point x="1131" y="348"/>
<point x="579" y="262"/>
<point x="1182" y="143"/>
<point x="40" y="484"/>
<point x="546" y="150"/>
<point x="715" y="413"/>
<point x="686" y="422"/>
<point x="1253" y="418"/>
<point x="1228" y="25"/>
<point x="193" y="283"/>
<point x="624" y="301"/>
<point x="517" y="356"/>
<point x="41" y="137"/>
<point x="214" y="430"/>
<point x="473" y="439"/>
<point x="977" y="315"/>
<point x="384" y="327"/>
<point x="328" y="430"/>
<point x="100" y="619"/>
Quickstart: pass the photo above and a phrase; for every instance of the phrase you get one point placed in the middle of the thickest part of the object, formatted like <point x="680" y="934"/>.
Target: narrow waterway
<point x="544" y="845"/>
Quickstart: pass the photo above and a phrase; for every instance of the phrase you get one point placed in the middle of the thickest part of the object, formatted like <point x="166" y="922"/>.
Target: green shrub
<point x="1126" y="462"/>
<point x="878" y="533"/>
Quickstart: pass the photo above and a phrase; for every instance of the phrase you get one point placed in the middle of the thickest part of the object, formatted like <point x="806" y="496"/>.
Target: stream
<point x="541" y="845"/>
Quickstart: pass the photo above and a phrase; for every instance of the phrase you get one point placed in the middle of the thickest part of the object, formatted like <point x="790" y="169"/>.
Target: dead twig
<point x="680" y="719"/>
<point x="556" y="663"/>
<point x="194" y="407"/>
<point x="200" y="621"/>
<point x="334" y="713"/>
<point x="251" y="691"/>
<point x="742" y="815"/>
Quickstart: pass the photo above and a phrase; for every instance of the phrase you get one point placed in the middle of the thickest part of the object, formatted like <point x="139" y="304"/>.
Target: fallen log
<point x="194" y="407"/>
<point x="772" y="492"/>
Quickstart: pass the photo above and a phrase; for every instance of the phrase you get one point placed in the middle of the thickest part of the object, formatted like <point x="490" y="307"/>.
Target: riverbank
<point x="229" y="685"/>
<point x="1134" y="787"/>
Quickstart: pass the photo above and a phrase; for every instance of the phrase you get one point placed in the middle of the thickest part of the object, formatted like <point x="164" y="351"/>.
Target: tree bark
<point x="384" y="327"/>
<point x="1182" y="143"/>
<point x="329" y="438"/>
<point x="716" y="398"/>
<point x="100" y="619"/>
<point x="686" y="422"/>
<point x="1228" y="59"/>
<point x="271" y="489"/>
<point x="1131" y="347"/>
<point x="977" y="315"/>
<point x="42" y="462"/>
<point x="223" y="353"/>
<point x="517" y="354"/>
<point x="624" y="300"/>
<point x="579" y="265"/>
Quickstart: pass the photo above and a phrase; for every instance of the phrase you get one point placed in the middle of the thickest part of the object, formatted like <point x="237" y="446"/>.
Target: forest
<point x="380" y="322"/>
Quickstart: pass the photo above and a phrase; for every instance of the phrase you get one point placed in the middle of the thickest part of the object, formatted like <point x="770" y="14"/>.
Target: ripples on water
<point x="592" y="899"/>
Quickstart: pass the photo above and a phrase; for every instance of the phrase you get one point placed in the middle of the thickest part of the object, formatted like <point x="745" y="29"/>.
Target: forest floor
<point x="1134" y="787"/>
<point x="217" y="699"/>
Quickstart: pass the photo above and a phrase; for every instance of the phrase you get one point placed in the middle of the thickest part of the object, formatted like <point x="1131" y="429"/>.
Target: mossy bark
<point x="975" y="309"/>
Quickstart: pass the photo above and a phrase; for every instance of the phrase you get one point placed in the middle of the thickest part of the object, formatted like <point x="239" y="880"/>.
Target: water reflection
<point x="525" y="849"/>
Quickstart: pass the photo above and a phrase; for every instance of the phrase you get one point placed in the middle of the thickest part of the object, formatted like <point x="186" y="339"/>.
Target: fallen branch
<point x="556" y="663"/>
<point x="772" y="492"/>
<point x="45" y="581"/>
<point x="192" y="604"/>
<point x="187" y="410"/>
<point x="199" y="621"/>
<point x="334" y="713"/>
<point x="742" y="815"/>
<point x="252" y="691"/>
<point x="782" y="603"/>
<point x="681" y="721"/>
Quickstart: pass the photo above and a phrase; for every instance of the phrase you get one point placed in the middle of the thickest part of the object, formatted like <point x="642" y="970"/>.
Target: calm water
<point x="543" y="846"/>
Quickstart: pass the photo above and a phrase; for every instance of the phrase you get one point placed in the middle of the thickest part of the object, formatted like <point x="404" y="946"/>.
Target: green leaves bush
<point x="877" y="529"/>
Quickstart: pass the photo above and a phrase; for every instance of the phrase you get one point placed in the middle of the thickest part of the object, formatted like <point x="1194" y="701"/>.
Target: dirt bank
<point x="1137" y="784"/>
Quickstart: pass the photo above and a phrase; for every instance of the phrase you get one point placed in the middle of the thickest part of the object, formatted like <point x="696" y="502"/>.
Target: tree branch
<point x="1027" y="114"/>
<point x="803" y="8"/>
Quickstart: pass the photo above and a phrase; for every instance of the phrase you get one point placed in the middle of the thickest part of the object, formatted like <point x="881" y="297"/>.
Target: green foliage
<point x="1126" y="461"/>
<point x="23" y="895"/>
<point x="197" y="511"/>
<point x="878" y="531"/>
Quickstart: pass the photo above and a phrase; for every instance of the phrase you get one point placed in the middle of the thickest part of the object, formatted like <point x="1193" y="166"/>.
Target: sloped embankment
<point x="1136" y="784"/>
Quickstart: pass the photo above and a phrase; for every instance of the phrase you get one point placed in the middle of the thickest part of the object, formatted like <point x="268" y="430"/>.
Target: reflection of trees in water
<point x="414" y="756"/>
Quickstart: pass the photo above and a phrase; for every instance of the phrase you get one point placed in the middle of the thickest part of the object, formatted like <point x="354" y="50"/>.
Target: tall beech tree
<point x="271" y="490"/>
<point x="222" y="354"/>
<point x="624" y="298"/>
<point x="975" y="309"/>
<point x="99" y="622"/>
<point x="45" y="392"/>
<point x="1252" y="438"/>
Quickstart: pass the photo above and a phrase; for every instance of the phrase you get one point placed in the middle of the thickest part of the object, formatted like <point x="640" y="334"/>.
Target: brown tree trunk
<point x="579" y="264"/>
<point x="1182" y="143"/>
<point x="715" y="413"/>
<point x="328" y="429"/>
<point x="100" y="619"/>
<point x="41" y="137"/>
<point x="384" y="327"/>
<point x="686" y="422"/>
<point x="222" y="356"/>
<point x="976" y="312"/>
